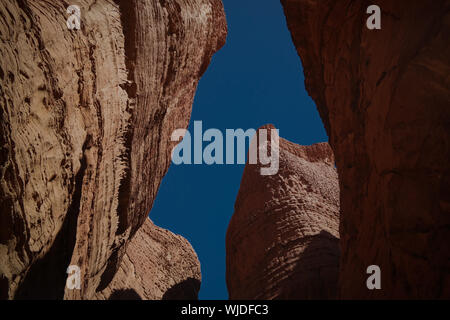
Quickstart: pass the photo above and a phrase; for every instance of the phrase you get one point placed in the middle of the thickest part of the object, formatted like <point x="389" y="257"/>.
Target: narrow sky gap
<point x="257" y="78"/>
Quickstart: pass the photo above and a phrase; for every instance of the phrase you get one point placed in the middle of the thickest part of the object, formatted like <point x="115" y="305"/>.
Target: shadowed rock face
<point x="86" y="118"/>
<point x="282" y="241"/>
<point x="384" y="98"/>
<point x="157" y="265"/>
<point x="125" y="294"/>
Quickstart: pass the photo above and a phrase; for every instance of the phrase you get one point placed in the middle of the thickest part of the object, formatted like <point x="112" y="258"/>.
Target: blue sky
<point x="257" y="78"/>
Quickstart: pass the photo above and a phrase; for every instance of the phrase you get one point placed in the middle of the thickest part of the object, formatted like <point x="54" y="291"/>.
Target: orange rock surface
<point x="85" y="132"/>
<point x="282" y="240"/>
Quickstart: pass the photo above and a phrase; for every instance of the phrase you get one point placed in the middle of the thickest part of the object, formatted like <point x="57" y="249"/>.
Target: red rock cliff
<point x="282" y="240"/>
<point x="86" y="118"/>
<point x="157" y="265"/>
<point x="384" y="98"/>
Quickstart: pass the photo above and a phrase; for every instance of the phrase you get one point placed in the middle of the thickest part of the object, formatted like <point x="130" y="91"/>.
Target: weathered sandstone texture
<point x="282" y="240"/>
<point x="86" y="118"/>
<point x="157" y="265"/>
<point x="384" y="97"/>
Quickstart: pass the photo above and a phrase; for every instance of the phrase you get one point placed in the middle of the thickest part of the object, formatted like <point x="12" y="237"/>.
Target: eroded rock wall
<point x="282" y="240"/>
<point x="157" y="265"/>
<point x="384" y="98"/>
<point x="86" y="118"/>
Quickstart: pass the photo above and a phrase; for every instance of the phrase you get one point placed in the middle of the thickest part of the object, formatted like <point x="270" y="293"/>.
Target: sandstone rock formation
<point x="86" y="118"/>
<point x="282" y="240"/>
<point x="157" y="265"/>
<point x="384" y="98"/>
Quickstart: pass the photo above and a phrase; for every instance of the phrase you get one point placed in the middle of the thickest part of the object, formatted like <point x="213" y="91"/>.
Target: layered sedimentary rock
<point x="157" y="265"/>
<point x="86" y="118"/>
<point x="282" y="240"/>
<point x="384" y="98"/>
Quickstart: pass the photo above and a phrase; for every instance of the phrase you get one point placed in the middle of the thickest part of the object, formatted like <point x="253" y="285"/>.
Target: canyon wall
<point x="384" y="98"/>
<point x="157" y="265"/>
<point x="86" y="118"/>
<point x="282" y="240"/>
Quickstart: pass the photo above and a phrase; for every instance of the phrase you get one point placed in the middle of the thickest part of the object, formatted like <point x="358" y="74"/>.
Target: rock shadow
<point x="185" y="290"/>
<point x="315" y="275"/>
<point x="125" y="294"/>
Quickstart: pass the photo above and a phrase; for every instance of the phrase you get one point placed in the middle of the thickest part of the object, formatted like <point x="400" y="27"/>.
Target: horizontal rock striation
<point x="157" y="265"/>
<point x="384" y="98"/>
<point x="86" y="118"/>
<point x="282" y="240"/>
